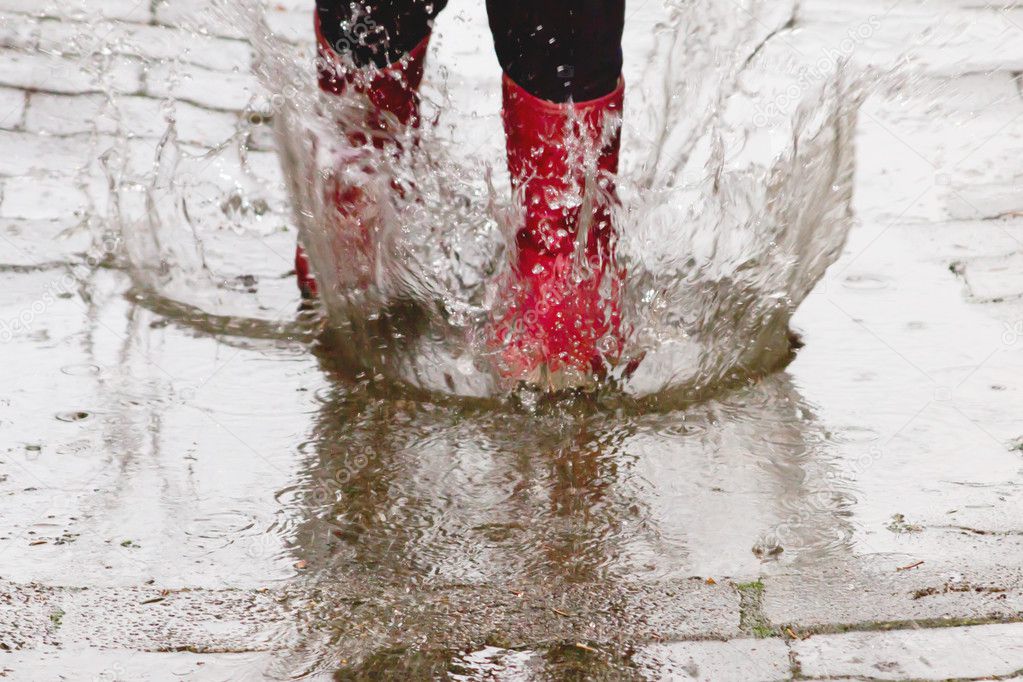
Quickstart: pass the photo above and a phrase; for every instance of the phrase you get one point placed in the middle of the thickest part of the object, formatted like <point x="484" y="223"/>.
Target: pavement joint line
<point x="917" y="624"/>
<point x="130" y="22"/>
<point x="860" y="678"/>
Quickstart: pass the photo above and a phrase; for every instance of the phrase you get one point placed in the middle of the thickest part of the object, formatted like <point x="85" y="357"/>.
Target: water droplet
<point x="80" y="370"/>
<point x="866" y="282"/>
<point x="72" y="416"/>
<point x="856" y="434"/>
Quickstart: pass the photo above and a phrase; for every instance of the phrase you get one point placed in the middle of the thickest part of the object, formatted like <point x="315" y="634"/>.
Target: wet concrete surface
<point x="220" y="506"/>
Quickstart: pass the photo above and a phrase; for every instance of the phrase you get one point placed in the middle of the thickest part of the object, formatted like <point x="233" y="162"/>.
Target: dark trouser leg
<point x="562" y="61"/>
<point x="376" y="32"/>
<point x="560" y="49"/>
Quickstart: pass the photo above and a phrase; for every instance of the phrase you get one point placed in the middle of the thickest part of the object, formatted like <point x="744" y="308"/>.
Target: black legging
<point x="554" y="49"/>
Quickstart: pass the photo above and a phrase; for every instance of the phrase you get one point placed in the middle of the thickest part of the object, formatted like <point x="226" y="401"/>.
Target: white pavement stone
<point x="127" y="10"/>
<point x="996" y="278"/>
<point x="291" y="26"/>
<point x="12" y="108"/>
<point x="52" y="73"/>
<point x="736" y="660"/>
<point x="941" y="149"/>
<point x="42" y="199"/>
<point x="149" y="42"/>
<point x="857" y="595"/>
<point x="52" y="114"/>
<point x="52" y="663"/>
<point x="145" y="117"/>
<point x="933" y="37"/>
<point x="25" y="153"/>
<point x="130" y="115"/>
<point x="933" y="654"/>
<point x="195" y="15"/>
<point x="37" y="243"/>
<point x="18" y="31"/>
<point x="211" y="89"/>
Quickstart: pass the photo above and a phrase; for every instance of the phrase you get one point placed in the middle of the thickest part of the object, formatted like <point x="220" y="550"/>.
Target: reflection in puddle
<point x="428" y="525"/>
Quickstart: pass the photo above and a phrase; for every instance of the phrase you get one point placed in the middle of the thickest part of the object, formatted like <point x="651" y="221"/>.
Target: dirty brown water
<point x="175" y="431"/>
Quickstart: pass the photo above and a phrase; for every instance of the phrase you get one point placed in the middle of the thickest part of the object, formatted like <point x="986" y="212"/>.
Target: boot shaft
<point x="552" y="148"/>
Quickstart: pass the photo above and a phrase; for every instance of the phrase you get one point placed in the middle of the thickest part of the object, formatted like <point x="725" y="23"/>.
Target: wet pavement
<point x="183" y="499"/>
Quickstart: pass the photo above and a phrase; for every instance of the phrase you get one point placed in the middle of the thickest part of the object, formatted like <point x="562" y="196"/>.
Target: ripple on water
<point x="854" y="434"/>
<point x="225" y="525"/>
<point x="73" y="416"/>
<point x="80" y="370"/>
<point x="865" y="282"/>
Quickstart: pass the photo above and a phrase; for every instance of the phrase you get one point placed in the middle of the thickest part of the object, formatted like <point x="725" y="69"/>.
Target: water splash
<point x="727" y="219"/>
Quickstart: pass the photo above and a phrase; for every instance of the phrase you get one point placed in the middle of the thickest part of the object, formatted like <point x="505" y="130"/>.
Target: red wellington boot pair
<point x="559" y="325"/>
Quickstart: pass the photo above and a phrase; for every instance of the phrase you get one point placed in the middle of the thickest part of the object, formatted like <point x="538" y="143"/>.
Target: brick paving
<point x="60" y="61"/>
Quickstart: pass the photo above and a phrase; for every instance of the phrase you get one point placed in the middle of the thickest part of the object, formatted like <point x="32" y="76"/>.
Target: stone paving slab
<point x="72" y="38"/>
<point x="37" y="153"/>
<point x="140" y="619"/>
<point x="116" y="665"/>
<point x="996" y="278"/>
<point x="40" y="243"/>
<point x="127" y="10"/>
<point x="749" y="660"/>
<point x="945" y="38"/>
<point x="880" y="593"/>
<point x="195" y="14"/>
<point x="523" y="615"/>
<point x="936" y="654"/>
<point x="12" y="107"/>
<point x="47" y="114"/>
<point x="920" y="171"/>
<point x="231" y="91"/>
<point x="36" y="71"/>
<point x="34" y="198"/>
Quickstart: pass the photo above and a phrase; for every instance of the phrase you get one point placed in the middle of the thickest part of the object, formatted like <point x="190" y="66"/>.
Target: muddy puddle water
<point x="175" y="431"/>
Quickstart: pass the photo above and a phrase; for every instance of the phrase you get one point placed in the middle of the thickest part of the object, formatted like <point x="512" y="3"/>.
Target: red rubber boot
<point x="393" y="95"/>
<point x="562" y="326"/>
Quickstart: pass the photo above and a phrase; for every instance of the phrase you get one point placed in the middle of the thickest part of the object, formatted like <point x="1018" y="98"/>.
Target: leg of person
<point x="377" y="47"/>
<point x="389" y="37"/>
<point x="562" y="86"/>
